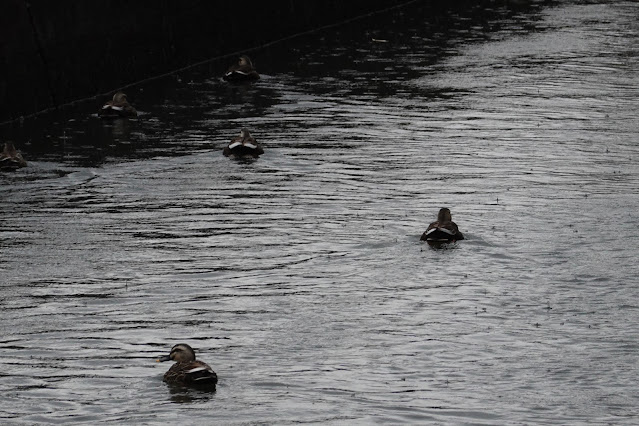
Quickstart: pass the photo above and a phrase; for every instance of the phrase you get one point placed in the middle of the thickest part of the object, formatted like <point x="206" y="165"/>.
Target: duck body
<point x="442" y="231"/>
<point x="241" y="72"/>
<point x="187" y="371"/>
<point x="243" y="146"/>
<point x="11" y="159"/>
<point x="118" y="107"/>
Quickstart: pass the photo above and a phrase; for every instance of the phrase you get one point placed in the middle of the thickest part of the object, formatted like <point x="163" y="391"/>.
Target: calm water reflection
<point x="300" y="277"/>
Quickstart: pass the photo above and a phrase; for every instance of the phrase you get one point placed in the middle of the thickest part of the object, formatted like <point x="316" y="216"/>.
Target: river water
<point x="300" y="277"/>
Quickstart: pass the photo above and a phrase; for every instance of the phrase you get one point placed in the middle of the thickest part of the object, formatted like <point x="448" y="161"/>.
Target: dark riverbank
<point x="53" y="55"/>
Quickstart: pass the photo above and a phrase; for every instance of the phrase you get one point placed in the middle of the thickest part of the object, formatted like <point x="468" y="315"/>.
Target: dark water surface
<point x="300" y="276"/>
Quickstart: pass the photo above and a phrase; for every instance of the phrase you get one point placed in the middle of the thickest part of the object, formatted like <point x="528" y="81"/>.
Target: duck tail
<point x="202" y="376"/>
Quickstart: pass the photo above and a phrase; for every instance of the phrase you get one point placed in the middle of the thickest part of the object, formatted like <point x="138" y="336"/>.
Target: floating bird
<point x="118" y="107"/>
<point x="444" y="230"/>
<point x="242" y="71"/>
<point x="187" y="371"/>
<point x="10" y="158"/>
<point x="243" y="146"/>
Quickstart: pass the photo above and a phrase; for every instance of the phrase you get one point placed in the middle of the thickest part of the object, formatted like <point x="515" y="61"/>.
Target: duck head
<point x="245" y="61"/>
<point x="179" y="353"/>
<point x="245" y="134"/>
<point x="444" y="215"/>
<point x="119" y="98"/>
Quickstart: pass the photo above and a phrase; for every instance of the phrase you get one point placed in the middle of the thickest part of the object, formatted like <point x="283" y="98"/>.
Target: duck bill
<point x="164" y="358"/>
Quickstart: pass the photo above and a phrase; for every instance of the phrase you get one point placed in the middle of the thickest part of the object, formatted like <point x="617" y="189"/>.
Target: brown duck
<point x="243" y="146"/>
<point x="444" y="230"/>
<point x="187" y="371"/>
<point x="119" y="106"/>
<point x="10" y="158"/>
<point x="242" y="71"/>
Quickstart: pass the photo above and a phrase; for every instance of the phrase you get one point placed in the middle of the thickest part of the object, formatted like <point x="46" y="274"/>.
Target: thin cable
<point x="216" y="58"/>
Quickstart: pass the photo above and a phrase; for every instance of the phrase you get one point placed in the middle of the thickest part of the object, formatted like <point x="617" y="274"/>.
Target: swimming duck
<point x="118" y="107"/>
<point x="243" y="146"/>
<point x="444" y="230"/>
<point x="242" y="71"/>
<point x="187" y="371"/>
<point x="10" y="158"/>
